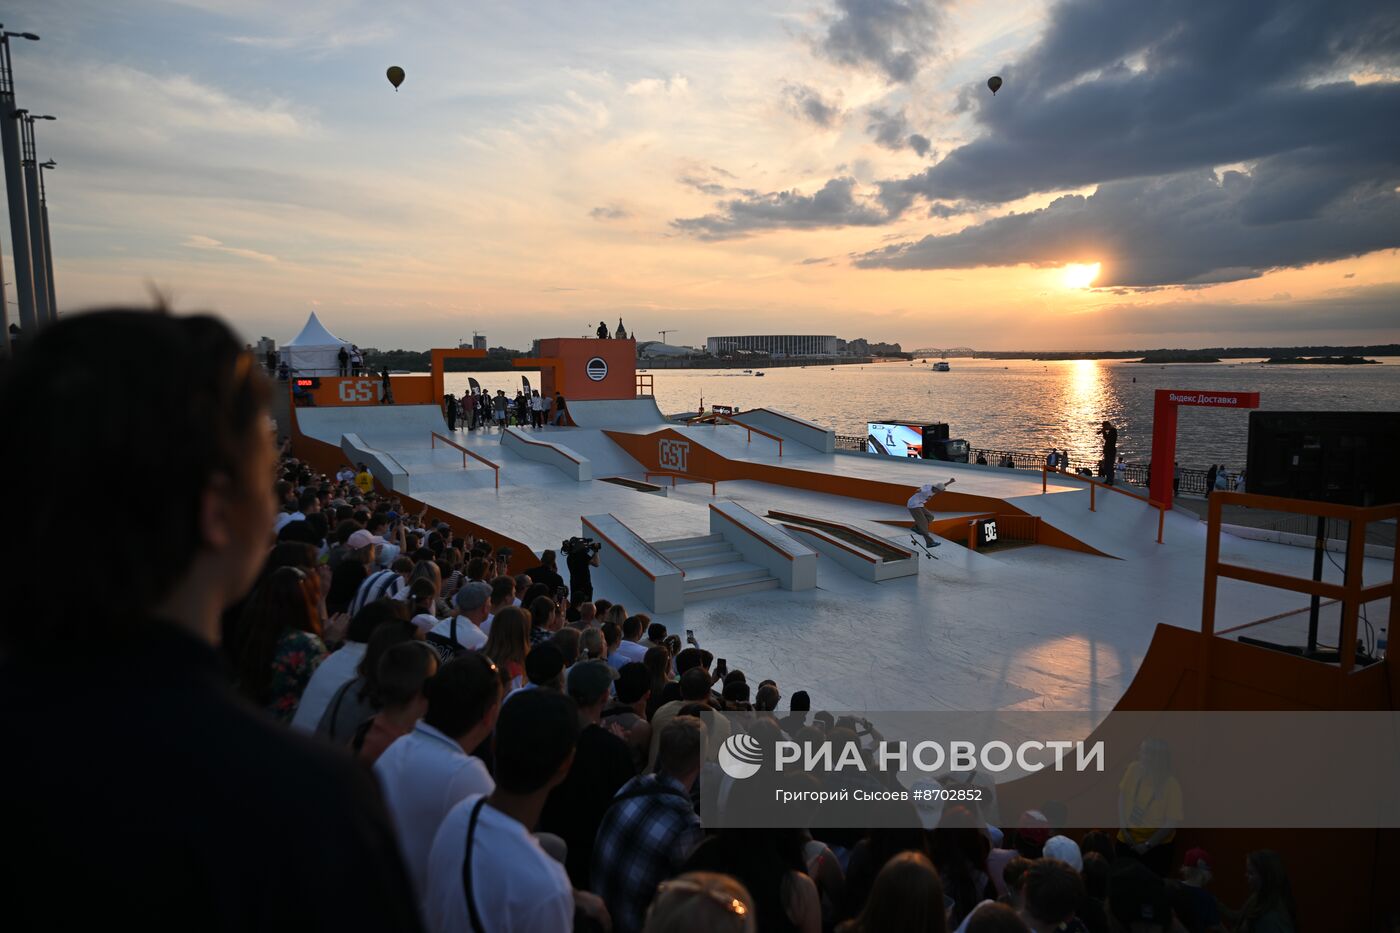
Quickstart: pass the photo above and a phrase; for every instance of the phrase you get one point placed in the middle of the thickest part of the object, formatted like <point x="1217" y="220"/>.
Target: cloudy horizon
<point x="1178" y="175"/>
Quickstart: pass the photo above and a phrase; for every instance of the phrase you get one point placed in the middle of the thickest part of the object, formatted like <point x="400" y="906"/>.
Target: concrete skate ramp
<point x="616" y="413"/>
<point x="386" y="427"/>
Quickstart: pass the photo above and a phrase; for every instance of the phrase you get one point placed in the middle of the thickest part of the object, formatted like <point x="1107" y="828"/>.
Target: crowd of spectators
<point x="303" y="705"/>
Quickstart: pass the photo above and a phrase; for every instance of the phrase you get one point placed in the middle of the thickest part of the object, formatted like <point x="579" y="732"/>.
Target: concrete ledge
<point x="382" y="466"/>
<point x="639" y="566"/>
<point x="854" y="558"/>
<point x="572" y="464"/>
<point x="790" y="427"/>
<point x="759" y="543"/>
<point x="1335" y="545"/>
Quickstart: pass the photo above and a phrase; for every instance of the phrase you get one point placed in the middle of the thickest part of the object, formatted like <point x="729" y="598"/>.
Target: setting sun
<point x="1081" y="274"/>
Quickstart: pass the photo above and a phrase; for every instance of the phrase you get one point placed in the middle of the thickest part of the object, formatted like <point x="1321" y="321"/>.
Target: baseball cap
<point x="543" y="664"/>
<point x="1066" y="850"/>
<point x="361" y="539"/>
<point x="633" y="681"/>
<point x="472" y="596"/>
<point x="589" y="680"/>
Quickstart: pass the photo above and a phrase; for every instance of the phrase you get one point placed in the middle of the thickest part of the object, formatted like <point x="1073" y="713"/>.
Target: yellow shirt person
<point x="364" y="481"/>
<point x="1148" y="806"/>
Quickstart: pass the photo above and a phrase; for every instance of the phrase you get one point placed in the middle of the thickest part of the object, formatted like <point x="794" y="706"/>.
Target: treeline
<point x="421" y="361"/>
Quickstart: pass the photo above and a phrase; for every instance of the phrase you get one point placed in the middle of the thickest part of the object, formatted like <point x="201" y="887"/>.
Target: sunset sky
<point x="826" y="166"/>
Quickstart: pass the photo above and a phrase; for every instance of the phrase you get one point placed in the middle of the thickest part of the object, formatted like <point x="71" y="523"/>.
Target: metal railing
<point x="713" y="417"/>
<point x="467" y="453"/>
<point x="1193" y="481"/>
<point x="1352" y="592"/>
<point x="1094" y="485"/>
<point x="675" y="476"/>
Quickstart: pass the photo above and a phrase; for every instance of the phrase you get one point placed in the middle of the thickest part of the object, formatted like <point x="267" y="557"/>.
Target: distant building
<point x="478" y="342"/>
<point x="265" y="346"/>
<point x="775" y="345"/>
<point x="652" y="349"/>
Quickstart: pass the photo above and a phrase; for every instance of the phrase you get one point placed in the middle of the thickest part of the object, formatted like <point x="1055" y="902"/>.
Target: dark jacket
<point x="142" y="791"/>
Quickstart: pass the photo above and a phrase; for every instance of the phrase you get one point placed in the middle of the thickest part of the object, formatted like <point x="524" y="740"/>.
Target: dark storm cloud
<point x="890" y="37"/>
<point x="891" y="130"/>
<point x="806" y="102"/>
<point x="1123" y="90"/>
<point x="1146" y="101"/>
<point x="1188" y="228"/>
<point x="835" y="205"/>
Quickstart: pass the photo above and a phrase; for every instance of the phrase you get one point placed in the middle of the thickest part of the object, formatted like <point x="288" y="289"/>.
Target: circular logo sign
<point x="740" y="756"/>
<point x="597" y="369"/>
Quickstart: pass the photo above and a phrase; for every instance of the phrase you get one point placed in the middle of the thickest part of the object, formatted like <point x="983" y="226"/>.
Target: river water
<point x="1025" y="404"/>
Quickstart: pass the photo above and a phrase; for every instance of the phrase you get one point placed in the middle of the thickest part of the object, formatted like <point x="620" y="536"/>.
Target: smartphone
<point x="690" y="635"/>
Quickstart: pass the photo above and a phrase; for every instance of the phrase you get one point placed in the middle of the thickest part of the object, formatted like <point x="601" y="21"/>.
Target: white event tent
<point x="315" y="351"/>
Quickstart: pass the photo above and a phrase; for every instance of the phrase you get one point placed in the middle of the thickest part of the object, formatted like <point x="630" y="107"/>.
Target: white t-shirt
<point x="486" y="625"/>
<point x="334" y="672"/>
<point x="423" y="775"/>
<point x="625" y="653"/>
<point x="517" y="886"/>
<point x="926" y="492"/>
<point x="286" y="518"/>
<point x="468" y="635"/>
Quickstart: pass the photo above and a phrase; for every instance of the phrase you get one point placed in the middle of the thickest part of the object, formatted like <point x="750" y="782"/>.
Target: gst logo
<point x="673" y="454"/>
<point x="359" y="390"/>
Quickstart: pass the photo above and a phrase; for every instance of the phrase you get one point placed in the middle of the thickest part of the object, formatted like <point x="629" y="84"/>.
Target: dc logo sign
<point x="597" y="369"/>
<point x="740" y="756"/>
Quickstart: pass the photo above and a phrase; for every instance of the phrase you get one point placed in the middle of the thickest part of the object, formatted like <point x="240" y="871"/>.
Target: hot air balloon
<point x="395" y="75"/>
<point x="994" y="82"/>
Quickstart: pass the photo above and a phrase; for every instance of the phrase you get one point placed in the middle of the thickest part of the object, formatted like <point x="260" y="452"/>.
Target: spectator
<point x="282" y="645"/>
<point x="798" y="708"/>
<point x="701" y="902"/>
<point x="364" y="481"/>
<point x="403" y="673"/>
<point x="591" y="645"/>
<point x="544" y="667"/>
<point x="358" y="699"/>
<point x="139" y="686"/>
<point x="545" y="620"/>
<point x="1269" y="907"/>
<point x="650" y="827"/>
<point x="1195" y="876"/>
<point x="907" y="898"/>
<point x="657" y="661"/>
<point x="694" y="688"/>
<point x="655" y="636"/>
<point x="991" y="917"/>
<point x="567" y="641"/>
<point x="769" y="863"/>
<point x="339" y="666"/>
<point x="427" y="772"/>
<point x="547" y="572"/>
<point x="626" y="716"/>
<point x="1137" y="899"/>
<point x="461" y="631"/>
<point x="502" y="597"/>
<point x="1050" y="891"/>
<point x="766" y="700"/>
<point x="486" y="872"/>
<point x="508" y="642"/>
<point x="1066" y="850"/>
<point x="602" y="764"/>
<point x="1149" y="808"/>
<point x="630" y="648"/>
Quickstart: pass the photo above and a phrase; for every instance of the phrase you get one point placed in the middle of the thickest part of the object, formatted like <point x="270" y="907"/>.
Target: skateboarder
<point x="921" y="514"/>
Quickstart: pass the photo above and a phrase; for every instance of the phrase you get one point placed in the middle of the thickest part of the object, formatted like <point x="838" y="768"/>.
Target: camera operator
<point x="581" y="555"/>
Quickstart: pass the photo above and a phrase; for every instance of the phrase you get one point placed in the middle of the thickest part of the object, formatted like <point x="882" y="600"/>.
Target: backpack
<point x="445" y="647"/>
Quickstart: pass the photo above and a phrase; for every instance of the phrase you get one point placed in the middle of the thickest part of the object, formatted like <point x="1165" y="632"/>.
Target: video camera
<point x="585" y="546"/>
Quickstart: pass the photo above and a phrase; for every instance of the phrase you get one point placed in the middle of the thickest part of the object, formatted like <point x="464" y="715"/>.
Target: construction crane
<point x="663" y="333"/>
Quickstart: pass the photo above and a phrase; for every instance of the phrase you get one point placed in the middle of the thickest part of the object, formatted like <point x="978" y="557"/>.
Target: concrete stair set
<point x="714" y="568"/>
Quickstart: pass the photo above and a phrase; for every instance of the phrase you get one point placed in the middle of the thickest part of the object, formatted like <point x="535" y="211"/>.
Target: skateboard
<point x="928" y="552"/>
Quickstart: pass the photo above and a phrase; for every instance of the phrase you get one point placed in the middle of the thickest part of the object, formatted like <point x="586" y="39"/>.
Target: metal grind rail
<point x="467" y="453"/>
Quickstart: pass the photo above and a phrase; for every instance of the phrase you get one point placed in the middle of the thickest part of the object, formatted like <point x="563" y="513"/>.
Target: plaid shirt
<point x="645" y="838"/>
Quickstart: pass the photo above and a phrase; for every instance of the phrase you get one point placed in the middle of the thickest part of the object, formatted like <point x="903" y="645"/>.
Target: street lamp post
<point x="14" y="188"/>
<point x="29" y="160"/>
<point x="48" y="249"/>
